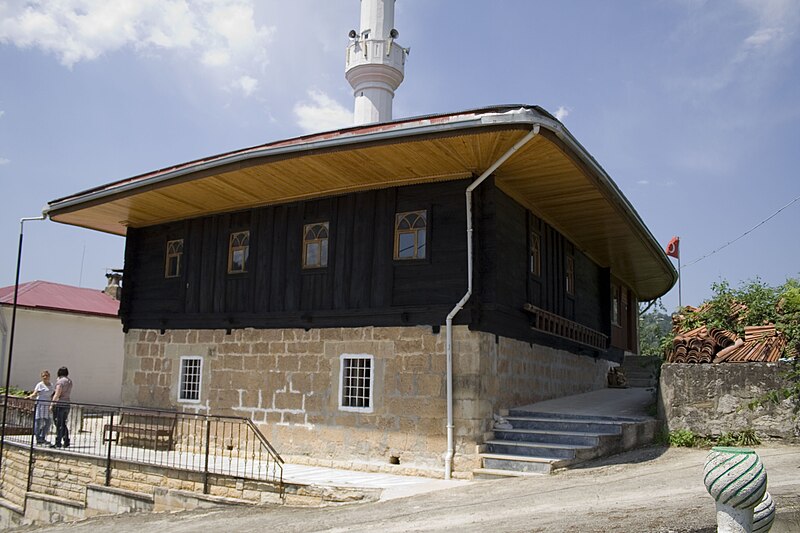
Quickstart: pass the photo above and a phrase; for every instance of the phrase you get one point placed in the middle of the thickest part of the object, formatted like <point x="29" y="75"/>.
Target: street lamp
<point x="11" y="334"/>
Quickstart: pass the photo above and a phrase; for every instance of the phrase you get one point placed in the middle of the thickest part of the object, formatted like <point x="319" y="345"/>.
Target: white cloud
<point x="4" y="161"/>
<point x="2" y="113"/>
<point x="246" y="84"/>
<point x="215" y="32"/>
<point x="562" y="112"/>
<point x="322" y="113"/>
<point x="643" y="182"/>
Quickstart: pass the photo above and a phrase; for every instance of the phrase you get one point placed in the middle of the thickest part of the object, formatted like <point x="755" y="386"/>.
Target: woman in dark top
<point x="60" y="407"/>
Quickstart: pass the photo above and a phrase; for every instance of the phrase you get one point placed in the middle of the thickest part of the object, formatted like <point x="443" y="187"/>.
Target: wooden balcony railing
<point x="559" y="326"/>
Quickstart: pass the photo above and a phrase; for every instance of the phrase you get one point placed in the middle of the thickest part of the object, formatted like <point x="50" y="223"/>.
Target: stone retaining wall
<point x="287" y="382"/>
<point x="66" y="486"/>
<point x="712" y="399"/>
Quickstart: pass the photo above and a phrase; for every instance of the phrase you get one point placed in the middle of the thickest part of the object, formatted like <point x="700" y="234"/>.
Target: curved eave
<point x="552" y="175"/>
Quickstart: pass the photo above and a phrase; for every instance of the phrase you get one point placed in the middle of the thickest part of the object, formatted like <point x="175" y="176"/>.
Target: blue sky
<point x="692" y="106"/>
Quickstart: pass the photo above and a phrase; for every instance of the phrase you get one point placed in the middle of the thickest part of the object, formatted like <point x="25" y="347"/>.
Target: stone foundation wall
<point x="14" y="475"/>
<point x="67" y="486"/>
<point x="288" y="381"/>
<point x="712" y="399"/>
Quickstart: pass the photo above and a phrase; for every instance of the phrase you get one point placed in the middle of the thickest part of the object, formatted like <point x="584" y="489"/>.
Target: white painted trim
<point x="371" y="358"/>
<point x="180" y="379"/>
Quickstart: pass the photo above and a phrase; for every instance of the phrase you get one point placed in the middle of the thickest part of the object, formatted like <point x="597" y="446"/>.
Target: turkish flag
<point x="673" y="247"/>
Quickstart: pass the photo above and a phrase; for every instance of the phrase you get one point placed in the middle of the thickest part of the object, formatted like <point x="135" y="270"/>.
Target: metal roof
<point x="553" y="176"/>
<point x="57" y="297"/>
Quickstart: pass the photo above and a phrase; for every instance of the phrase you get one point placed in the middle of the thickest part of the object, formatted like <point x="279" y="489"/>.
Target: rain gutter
<point x="448" y="456"/>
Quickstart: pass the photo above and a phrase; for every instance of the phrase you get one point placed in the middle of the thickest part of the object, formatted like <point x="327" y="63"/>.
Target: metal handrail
<point x="210" y="444"/>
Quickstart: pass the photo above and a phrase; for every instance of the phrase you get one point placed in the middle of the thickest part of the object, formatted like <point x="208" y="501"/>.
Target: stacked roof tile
<point x="714" y="345"/>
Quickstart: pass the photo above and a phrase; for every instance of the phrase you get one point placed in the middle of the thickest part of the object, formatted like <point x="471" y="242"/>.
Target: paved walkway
<point x="631" y="402"/>
<point x="393" y="486"/>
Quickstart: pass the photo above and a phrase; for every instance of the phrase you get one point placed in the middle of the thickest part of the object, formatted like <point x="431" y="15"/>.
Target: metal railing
<point x="224" y="445"/>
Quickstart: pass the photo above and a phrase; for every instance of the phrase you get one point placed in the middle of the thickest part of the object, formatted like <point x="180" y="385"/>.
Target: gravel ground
<point x="649" y="490"/>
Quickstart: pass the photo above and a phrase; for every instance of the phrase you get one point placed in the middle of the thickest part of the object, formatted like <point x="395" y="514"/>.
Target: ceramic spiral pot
<point x="737" y="480"/>
<point x="764" y="515"/>
<point x="735" y="477"/>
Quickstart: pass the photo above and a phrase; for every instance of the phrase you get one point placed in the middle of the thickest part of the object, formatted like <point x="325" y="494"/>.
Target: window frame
<point x="181" y="376"/>
<point x="178" y="255"/>
<point x="398" y="217"/>
<point x="323" y="258"/>
<point x="616" y="305"/>
<point x="535" y="259"/>
<point x="371" y="396"/>
<point x="232" y="249"/>
<point x="569" y="274"/>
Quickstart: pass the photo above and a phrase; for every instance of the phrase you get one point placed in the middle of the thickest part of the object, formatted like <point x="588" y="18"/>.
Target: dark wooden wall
<point x="362" y="284"/>
<point x="506" y="282"/>
<point x="360" y="281"/>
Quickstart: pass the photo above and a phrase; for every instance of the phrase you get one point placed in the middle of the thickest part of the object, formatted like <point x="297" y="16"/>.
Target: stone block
<point x="259" y="348"/>
<point x="331" y="334"/>
<point x="293" y="418"/>
<point x="288" y="400"/>
<point x="308" y="363"/>
<point x="416" y="363"/>
<point x="205" y="336"/>
<point x="301" y="382"/>
<point x="429" y="385"/>
<point x="277" y="348"/>
<point x="287" y="363"/>
<point x="388" y="333"/>
<point x="250" y="363"/>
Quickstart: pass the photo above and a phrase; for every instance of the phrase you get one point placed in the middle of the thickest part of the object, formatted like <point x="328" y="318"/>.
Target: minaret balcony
<point x="376" y="52"/>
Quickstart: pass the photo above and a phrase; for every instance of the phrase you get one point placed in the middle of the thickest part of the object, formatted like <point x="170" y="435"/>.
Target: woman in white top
<point x="43" y="393"/>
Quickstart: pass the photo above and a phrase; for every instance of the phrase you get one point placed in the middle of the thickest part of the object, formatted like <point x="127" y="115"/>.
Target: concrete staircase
<point x="541" y="441"/>
<point x="641" y="371"/>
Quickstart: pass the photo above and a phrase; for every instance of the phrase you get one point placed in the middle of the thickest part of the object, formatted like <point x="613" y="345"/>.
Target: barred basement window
<point x="238" y="252"/>
<point x="410" y="232"/>
<point x="172" y="268"/>
<point x="190" y="379"/>
<point x="355" y="392"/>
<point x="315" y="245"/>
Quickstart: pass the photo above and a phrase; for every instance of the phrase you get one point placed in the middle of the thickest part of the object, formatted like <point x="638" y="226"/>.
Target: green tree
<point x="654" y="328"/>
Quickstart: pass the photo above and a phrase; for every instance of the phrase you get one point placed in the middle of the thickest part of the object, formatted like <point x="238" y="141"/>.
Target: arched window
<point x="315" y="245"/>
<point x="172" y="266"/>
<point x="410" y="235"/>
<point x="238" y="252"/>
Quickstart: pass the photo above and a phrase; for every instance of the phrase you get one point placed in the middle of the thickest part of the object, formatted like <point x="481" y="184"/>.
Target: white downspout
<point x="448" y="456"/>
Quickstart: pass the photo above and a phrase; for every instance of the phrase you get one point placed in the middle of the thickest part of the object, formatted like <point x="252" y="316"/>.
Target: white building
<point x="60" y="325"/>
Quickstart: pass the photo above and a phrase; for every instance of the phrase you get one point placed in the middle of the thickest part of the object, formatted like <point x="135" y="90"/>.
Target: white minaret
<point x="375" y="62"/>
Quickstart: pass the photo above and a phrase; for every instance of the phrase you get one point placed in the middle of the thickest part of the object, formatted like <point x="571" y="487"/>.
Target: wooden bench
<point x="143" y="429"/>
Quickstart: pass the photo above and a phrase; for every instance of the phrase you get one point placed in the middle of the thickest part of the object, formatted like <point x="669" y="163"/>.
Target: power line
<point x="743" y="234"/>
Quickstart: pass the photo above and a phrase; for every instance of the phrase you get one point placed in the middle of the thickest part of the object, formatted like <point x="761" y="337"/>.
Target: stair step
<point x="542" y="445"/>
<point x="608" y="419"/>
<point x="551" y="436"/>
<point x="495" y="473"/>
<point x="536" y="449"/>
<point x="520" y="463"/>
<point x="603" y="427"/>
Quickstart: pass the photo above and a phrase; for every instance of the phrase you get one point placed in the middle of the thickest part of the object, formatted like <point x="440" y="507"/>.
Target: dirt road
<point x="650" y="490"/>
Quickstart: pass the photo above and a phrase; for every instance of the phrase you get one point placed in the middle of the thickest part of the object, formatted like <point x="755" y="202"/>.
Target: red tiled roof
<point x="58" y="297"/>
